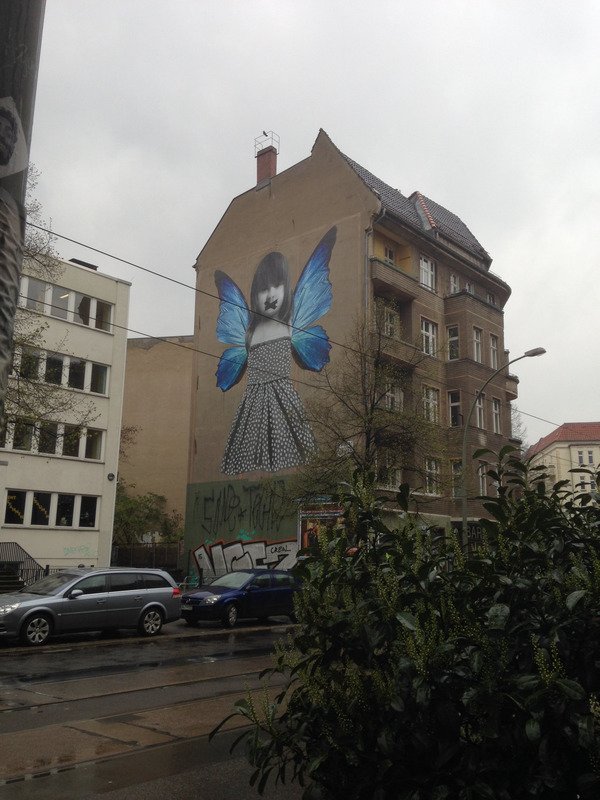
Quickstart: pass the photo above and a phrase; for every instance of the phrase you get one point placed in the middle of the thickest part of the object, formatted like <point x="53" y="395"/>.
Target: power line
<point x="220" y="300"/>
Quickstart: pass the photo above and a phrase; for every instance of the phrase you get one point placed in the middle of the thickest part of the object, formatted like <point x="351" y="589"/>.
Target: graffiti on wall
<point x="240" y="508"/>
<point x="219" y="557"/>
<point x="270" y="430"/>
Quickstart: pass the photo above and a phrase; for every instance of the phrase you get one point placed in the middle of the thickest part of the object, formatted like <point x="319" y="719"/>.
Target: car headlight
<point x="208" y="601"/>
<point x="6" y="608"/>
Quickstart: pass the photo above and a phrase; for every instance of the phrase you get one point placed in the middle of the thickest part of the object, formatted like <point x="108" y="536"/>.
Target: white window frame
<point x="52" y="522"/>
<point x="454" y="284"/>
<point x="453" y="405"/>
<point x="394" y="397"/>
<point x="65" y="311"/>
<point x="493" y="351"/>
<point x="496" y="415"/>
<point x="391" y="323"/>
<point x="429" y="333"/>
<point x="480" y="412"/>
<point x="390" y="255"/>
<point x="453" y="342"/>
<point x="482" y="478"/>
<point x="432" y="476"/>
<point x="427" y="273"/>
<point x="477" y="345"/>
<point x="431" y="404"/>
<point x="456" y="478"/>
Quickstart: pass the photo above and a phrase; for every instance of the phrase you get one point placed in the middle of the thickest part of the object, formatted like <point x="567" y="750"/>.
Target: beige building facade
<point x="59" y="475"/>
<point x="157" y="405"/>
<point x="373" y="246"/>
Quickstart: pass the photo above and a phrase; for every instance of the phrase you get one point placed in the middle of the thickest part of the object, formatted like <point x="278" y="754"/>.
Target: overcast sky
<point x="147" y="111"/>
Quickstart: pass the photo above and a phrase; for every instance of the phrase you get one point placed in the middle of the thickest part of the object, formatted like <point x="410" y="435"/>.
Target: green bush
<point x="420" y="673"/>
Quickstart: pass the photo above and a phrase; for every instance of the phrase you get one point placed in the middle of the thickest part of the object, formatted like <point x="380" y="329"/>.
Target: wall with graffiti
<point x="239" y="524"/>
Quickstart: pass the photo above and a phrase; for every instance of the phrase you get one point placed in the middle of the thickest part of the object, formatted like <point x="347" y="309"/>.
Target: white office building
<point x="60" y="461"/>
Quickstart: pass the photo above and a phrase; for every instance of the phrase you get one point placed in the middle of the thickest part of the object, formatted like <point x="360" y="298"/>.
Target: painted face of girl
<point x="270" y="300"/>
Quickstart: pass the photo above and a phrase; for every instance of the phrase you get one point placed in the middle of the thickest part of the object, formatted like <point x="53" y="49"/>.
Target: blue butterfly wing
<point x="312" y="299"/>
<point x="233" y="314"/>
<point x="231" y="367"/>
<point x="311" y="348"/>
<point x="231" y="329"/>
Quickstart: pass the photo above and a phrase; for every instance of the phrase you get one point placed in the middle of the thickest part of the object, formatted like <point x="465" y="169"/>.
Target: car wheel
<point x="151" y="622"/>
<point x="36" y="630"/>
<point x="230" y="615"/>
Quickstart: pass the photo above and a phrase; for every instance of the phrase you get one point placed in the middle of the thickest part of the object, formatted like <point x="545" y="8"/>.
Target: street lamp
<point x="537" y="351"/>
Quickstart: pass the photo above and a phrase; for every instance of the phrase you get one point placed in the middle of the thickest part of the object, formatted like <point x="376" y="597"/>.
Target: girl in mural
<point x="270" y="430"/>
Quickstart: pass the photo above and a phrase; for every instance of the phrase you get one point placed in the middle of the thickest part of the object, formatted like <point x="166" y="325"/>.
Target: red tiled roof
<point x="568" y="432"/>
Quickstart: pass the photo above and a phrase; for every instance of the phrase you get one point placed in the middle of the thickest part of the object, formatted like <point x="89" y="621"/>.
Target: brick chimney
<point x="266" y="164"/>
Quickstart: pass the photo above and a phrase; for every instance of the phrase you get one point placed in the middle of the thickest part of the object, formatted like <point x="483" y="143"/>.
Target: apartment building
<point x="356" y="244"/>
<point x="571" y="446"/>
<point x="60" y="448"/>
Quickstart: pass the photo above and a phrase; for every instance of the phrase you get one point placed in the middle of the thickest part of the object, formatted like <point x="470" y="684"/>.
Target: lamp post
<point x="537" y="351"/>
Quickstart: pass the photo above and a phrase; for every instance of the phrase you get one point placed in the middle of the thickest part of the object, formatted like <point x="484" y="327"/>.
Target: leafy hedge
<point x="420" y="673"/>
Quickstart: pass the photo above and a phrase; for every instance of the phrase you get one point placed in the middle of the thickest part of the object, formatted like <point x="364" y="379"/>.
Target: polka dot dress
<point x="270" y="430"/>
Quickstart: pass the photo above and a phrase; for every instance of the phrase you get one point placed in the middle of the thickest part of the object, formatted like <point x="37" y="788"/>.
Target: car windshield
<point x="233" y="580"/>
<point x="51" y="584"/>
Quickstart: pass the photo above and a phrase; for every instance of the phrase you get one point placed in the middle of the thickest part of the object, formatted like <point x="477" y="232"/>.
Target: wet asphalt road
<point x="122" y="718"/>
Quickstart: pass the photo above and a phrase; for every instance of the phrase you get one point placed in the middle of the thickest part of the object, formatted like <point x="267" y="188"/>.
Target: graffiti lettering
<point x="224" y="510"/>
<point x="220" y="557"/>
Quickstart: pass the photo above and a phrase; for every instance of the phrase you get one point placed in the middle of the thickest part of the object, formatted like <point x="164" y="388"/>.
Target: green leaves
<point x="418" y="672"/>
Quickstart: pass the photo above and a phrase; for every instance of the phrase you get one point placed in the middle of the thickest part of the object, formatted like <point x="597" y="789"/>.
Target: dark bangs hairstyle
<point x="273" y="270"/>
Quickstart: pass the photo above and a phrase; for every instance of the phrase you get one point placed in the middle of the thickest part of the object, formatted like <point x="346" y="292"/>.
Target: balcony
<point x="389" y="280"/>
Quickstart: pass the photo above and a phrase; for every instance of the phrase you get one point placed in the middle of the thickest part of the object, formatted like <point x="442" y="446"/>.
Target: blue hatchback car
<point x="249" y="593"/>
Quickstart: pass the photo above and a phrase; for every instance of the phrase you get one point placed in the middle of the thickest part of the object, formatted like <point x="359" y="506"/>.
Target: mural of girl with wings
<point x="270" y="430"/>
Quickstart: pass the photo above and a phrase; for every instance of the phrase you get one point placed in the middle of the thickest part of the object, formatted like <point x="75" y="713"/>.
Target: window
<point x="580" y="456"/>
<point x="496" y="415"/>
<point x="454" y="414"/>
<point x="493" y="351"/>
<point x="480" y="412"/>
<point x="482" y="478"/>
<point x="93" y="584"/>
<point x="394" y="397"/>
<point x="103" y="315"/>
<point x="477" y="353"/>
<point x="126" y="582"/>
<point x="427" y="273"/>
<point x="82" y="309"/>
<point x="54" y="369"/>
<point x="87" y="515"/>
<point x="469" y="287"/>
<point x="23" y="435"/>
<point x="60" y="302"/>
<point x="391" y="323"/>
<point x="456" y="478"/>
<point x="454" y="284"/>
<point x="64" y="510"/>
<point x="452" y="336"/>
<point x="428" y="336"/>
<point x="40" y="512"/>
<point x="390" y="255"/>
<point x="30" y="365"/>
<point x="36" y="295"/>
<point x="48" y="509"/>
<point x="15" y="507"/>
<point x="70" y="444"/>
<point x="590" y="457"/>
<point x="99" y="379"/>
<point x="432" y="476"/>
<point x="431" y="404"/>
<point x="491" y="298"/>
<point x="76" y="373"/>
<point x="93" y="444"/>
<point x="48" y="438"/>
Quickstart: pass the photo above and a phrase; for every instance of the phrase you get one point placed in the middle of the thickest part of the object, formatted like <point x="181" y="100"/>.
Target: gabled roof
<point x="568" y="432"/>
<point x="422" y="213"/>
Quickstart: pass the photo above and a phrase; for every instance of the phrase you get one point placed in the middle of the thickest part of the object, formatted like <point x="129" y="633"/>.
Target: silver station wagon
<point x="90" y="599"/>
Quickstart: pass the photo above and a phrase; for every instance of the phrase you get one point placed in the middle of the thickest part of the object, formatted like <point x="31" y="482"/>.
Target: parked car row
<point x="93" y="599"/>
